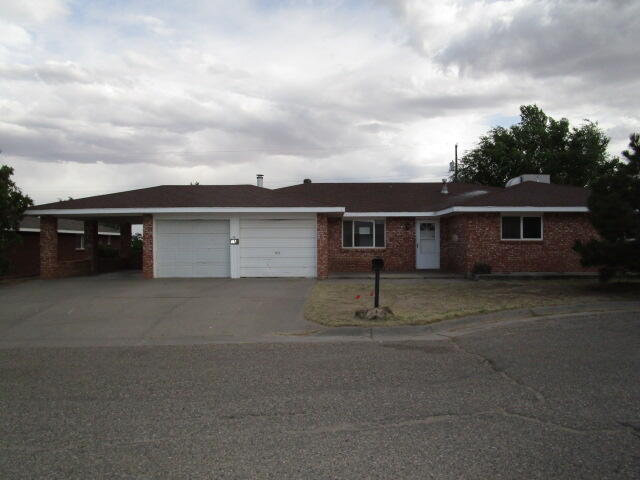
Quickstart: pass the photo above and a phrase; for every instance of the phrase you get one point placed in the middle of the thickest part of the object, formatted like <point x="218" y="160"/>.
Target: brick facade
<point x="475" y="238"/>
<point x="322" y="249"/>
<point x="24" y="256"/>
<point x="147" y="246"/>
<point x="399" y="254"/>
<point x="48" y="247"/>
<point x="468" y="239"/>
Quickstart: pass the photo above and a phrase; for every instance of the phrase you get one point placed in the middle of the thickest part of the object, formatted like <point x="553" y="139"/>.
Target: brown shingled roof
<point x="355" y="197"/>
<point x="534" y="194"/>
<point x="427" y="197"/>
<point x="390" y="197"/>
<point x="172" y="196"/>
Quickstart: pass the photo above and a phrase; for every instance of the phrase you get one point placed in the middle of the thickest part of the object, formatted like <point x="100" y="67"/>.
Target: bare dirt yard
<point x="418" y="302"/>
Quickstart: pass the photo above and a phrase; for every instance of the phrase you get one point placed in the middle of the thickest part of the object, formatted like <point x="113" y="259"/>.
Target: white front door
<point x="428" y="244"/>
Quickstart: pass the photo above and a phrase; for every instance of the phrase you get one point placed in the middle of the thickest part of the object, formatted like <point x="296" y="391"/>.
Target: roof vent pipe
<point x="306" y="180"/>
<point x="444" y="190"/>
<point x="259" y="179"/>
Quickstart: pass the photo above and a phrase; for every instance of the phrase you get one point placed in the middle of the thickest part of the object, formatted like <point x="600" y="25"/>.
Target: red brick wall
<point x="24" y="256"/>
<point x="73" y="268"/>
<point x="48" y="246"/>
<point x="399" y="254"/>
<point x="478" y="241"/>
<point x="453" y="238"/>
<point x="322" y="250"/>
<point x="147" y="246"/>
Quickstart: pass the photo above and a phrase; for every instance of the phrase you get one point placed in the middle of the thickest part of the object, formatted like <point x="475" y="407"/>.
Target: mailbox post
<point x="377" y="264"/>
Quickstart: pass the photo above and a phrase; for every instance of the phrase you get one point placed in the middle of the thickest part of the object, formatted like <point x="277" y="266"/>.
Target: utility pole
<point x="455" y="173"/>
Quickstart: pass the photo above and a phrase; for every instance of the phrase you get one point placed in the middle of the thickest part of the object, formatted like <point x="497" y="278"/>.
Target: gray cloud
<point x="344" y="92"/>
<point x="542" y="38"/>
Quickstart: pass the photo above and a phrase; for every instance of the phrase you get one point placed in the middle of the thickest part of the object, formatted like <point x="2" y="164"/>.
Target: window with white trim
<point x="363" y="233"/>
<point x="80" y="242"/>
<point x="522" y="227"/>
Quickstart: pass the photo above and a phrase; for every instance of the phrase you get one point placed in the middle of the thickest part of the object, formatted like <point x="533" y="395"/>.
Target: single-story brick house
<point x="314" y="229"/>
<point x="24" y="256"/>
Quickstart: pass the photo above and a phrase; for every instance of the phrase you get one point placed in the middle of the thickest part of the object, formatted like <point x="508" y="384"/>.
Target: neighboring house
<point x="24" y="257"/>
<point x="314" y="229"/>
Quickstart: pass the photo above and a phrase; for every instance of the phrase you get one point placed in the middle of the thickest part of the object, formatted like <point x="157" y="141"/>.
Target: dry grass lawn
<point x="418" y="302"/>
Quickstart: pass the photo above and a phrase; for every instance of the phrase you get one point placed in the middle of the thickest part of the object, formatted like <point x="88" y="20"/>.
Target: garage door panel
<point x="278" y="248"/>
<point x="275" y="262"/>
<point x="275" y="243"/>
<point x="192" y="248"/>
<point x="284" y="272"/>
<point x="303" y="252"/>
<point x="278" y="233"/>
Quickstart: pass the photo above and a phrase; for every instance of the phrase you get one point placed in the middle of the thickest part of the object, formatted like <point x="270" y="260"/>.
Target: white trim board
<point x="75" y="232"/>
<point x="446" y="211"/>
<point x="141" y="211"/>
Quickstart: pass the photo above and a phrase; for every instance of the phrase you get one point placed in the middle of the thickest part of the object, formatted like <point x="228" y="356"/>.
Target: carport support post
<point x="147" y="246"/>
<point x="91" y="243"/>
<point x="48" y="247"/>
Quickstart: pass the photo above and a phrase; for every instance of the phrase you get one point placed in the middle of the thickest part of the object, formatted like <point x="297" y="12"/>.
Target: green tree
<point x="12" y="206"/>
<point x="615" y="213"/>
<point x="539" y="144"/>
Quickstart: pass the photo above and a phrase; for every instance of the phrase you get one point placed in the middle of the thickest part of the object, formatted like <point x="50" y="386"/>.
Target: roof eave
<point x="487" y="209"/>
<point x="107" y="212"/>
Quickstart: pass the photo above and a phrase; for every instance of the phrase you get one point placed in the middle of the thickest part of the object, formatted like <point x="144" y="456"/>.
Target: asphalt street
<point x="547" y="398"/>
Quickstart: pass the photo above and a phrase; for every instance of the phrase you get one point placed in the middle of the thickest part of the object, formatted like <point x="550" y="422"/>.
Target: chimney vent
<point x="259" y="179"/>
<point x="444" y="190"/>
<point x="306" y="180"/>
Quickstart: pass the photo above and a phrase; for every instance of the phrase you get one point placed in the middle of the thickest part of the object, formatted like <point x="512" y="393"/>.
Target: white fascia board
<point x="140" y="211"/>
<point x="512" y="209"/>
<point x="391" y="214"/>
<point x="467" y="210"/>
<point x="74" y="232"/>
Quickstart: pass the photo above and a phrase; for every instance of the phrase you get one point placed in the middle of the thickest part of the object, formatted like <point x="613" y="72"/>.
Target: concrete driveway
<point x="120" y="309"/>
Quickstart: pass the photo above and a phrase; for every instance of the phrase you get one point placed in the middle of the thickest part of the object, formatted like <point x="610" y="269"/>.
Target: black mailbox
<point x="377" y="264"/>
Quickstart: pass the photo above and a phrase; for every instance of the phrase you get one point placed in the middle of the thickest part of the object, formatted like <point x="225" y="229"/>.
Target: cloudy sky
<point x="103" y="96"/>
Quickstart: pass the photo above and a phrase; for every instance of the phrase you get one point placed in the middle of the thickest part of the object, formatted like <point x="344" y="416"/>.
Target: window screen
<point x="347" y="234"/>
<point x="531" y="227"/>
<point x="363" y="233"/>
<point x="511" y="228"/>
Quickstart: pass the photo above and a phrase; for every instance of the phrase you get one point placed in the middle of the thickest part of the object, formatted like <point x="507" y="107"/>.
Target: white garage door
<point x="192" y="248"/>
<point x="278" y="247"/>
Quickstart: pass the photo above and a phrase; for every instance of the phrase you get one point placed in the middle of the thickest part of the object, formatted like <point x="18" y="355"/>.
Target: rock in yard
<point x="380" y="313"/>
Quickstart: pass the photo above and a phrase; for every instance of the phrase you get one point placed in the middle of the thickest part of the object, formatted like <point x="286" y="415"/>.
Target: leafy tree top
<point x="539" y="144"/>
<point x="12" y="202"/>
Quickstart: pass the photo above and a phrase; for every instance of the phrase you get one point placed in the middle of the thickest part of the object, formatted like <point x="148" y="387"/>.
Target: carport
<point x="51" y="266"/>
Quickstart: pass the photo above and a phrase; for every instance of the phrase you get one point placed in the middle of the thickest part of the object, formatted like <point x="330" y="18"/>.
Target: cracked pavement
<point x="547" y="398"/>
